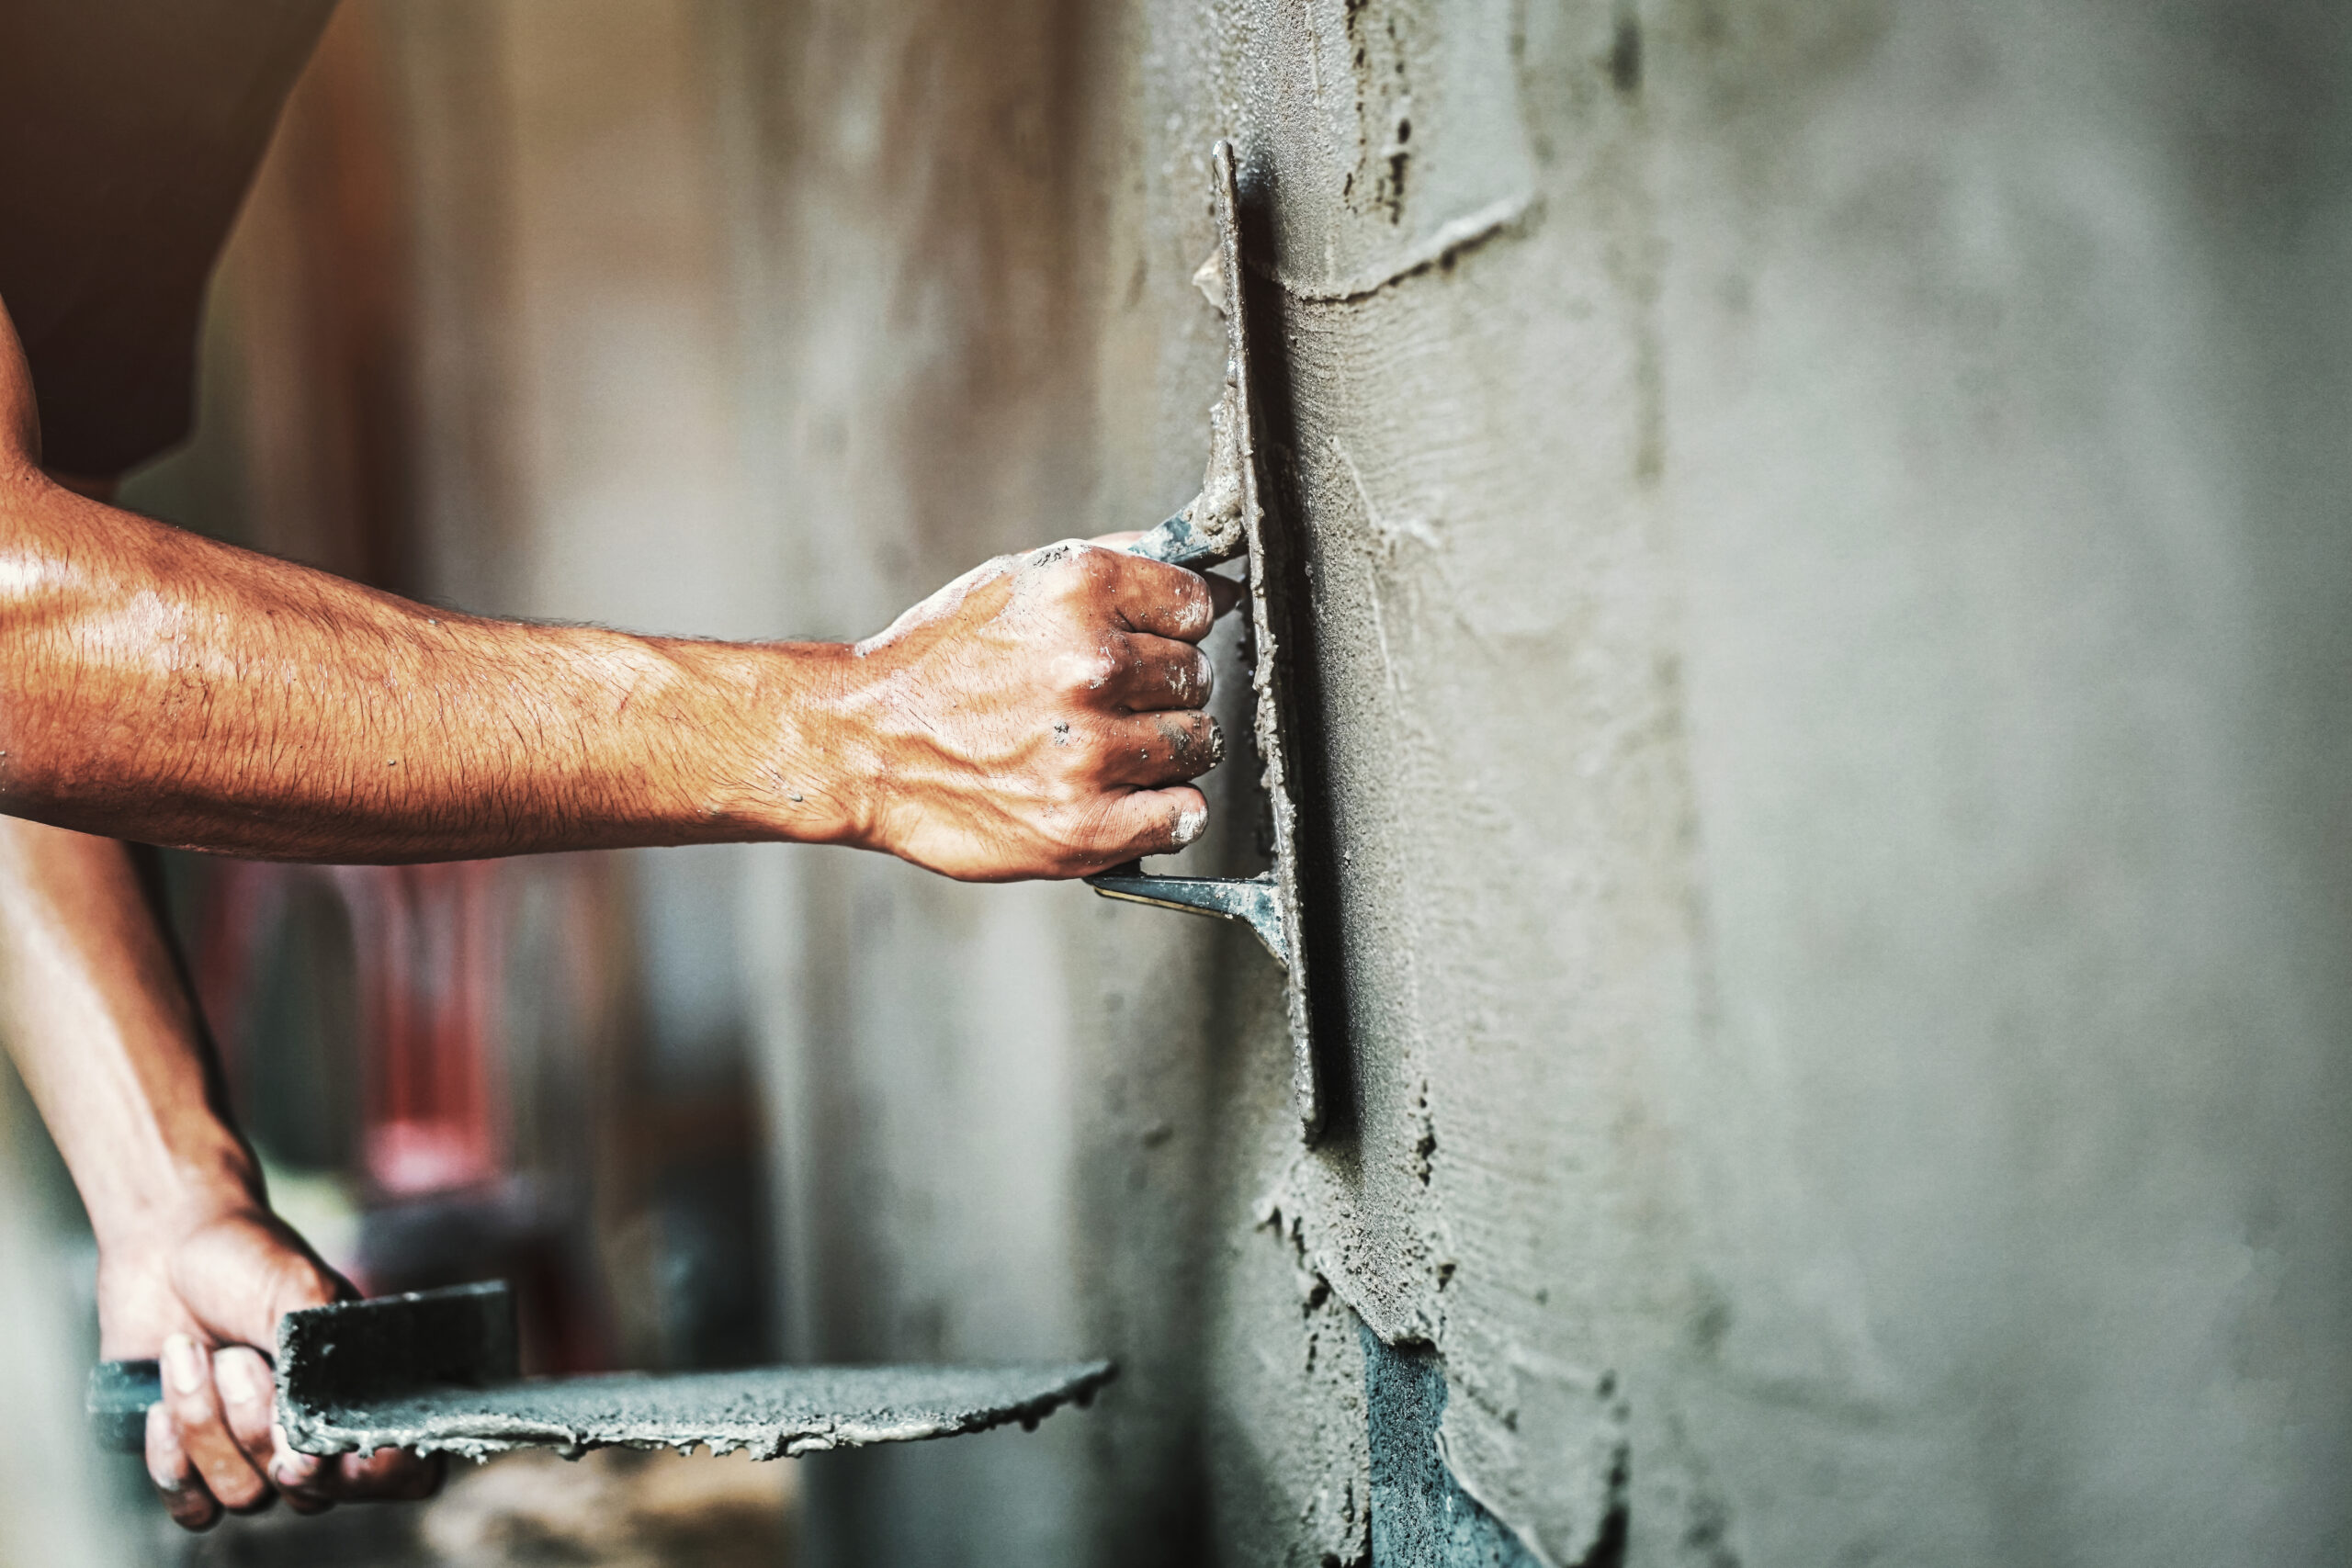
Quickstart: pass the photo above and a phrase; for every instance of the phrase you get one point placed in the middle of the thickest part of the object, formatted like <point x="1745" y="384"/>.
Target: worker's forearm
<point x="159" y="686"/>
<point x="103" y="1033"/>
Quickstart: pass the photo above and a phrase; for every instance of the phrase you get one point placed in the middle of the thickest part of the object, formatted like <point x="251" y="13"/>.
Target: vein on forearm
<point x="157" y="685"/>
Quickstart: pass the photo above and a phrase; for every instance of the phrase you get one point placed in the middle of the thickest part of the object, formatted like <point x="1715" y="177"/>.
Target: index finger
<point x="194" y="1405"/>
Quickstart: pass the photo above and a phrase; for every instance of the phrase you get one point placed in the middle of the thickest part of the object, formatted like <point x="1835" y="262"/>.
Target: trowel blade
<point x="433" y="1372"/>
<point x="1272" y="608"/>
<point x="1227" y="519"/>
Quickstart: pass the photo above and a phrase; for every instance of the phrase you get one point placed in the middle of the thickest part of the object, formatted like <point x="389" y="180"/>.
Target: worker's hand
<point x="199" y="1301"/>
<point x="1040" y="716"/>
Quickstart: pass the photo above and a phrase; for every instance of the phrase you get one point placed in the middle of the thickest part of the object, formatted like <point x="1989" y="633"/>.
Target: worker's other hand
<point x="199" y="1301"/>
<point x="1040" y="716"/>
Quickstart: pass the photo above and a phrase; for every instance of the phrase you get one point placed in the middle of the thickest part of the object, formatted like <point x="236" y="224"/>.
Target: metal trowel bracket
<point x="1228" y="519"/>
<point x="436" y="1371"/>
<point x="1255" y="901"/>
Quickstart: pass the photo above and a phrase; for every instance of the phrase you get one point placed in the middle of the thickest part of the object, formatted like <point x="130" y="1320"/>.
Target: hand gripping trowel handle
<point x="1219" y="525"/>
<point x="1226" y="520"/>
<point x="1251" y="900"/>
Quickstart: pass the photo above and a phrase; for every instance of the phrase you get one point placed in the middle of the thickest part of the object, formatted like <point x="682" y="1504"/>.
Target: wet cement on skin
<point x="768" y="1413"/>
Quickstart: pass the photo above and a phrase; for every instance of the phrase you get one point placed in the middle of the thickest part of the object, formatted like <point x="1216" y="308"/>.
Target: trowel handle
<point x="119" y="1394"/>
<point x="1178" y="542"/>
<point x="1253" y="901"/>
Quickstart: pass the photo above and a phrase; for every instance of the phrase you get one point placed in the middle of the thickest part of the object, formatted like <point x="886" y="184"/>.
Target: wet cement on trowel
<point x="770" y="1412"/>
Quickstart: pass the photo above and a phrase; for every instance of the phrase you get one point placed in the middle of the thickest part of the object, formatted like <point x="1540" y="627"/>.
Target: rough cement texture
<point x="434" y="1371"/>
<point x="1833" y="646"/>
<point x="1283" y="1425"/>
<point x="766" y="1412"/>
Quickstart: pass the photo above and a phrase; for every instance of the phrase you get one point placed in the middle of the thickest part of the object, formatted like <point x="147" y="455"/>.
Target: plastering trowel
<point x="1226" y="520"/>
<point x="436" y="1373"/>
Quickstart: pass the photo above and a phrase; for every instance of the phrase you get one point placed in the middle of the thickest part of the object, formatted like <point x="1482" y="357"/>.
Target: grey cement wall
<point x="1832" y="672"/>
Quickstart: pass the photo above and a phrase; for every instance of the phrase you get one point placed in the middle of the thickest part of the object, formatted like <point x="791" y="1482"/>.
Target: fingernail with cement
<point x="184" y="1363"/>
<point x="1190" y="825"/>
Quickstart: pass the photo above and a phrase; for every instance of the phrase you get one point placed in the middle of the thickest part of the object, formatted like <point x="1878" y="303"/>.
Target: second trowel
<point x="436" y="1371"/>
<point x="1228" y="519"/>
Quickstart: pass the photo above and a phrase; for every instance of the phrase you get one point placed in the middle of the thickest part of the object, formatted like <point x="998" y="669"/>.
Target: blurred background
<point x="471" y="341"/>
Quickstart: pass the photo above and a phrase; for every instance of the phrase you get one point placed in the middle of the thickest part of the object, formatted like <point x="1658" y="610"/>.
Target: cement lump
<point x="770" y="1413"/>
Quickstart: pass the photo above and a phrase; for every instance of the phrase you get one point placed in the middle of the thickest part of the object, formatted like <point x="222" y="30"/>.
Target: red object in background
<point x="433" y="1112"/>
<point x="428" y="944"/>
<point x="439" y="1191"/>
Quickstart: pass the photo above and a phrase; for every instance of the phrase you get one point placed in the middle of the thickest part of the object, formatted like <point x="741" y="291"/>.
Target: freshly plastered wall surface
<point x="1829" y="674"/>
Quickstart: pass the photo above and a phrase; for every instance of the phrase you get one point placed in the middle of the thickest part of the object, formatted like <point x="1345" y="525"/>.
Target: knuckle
<point x="1075" y="570"/>
<point x="1092" y="668"/>
<point x="1110" y="837"/>
<point x="1101" y="748"/>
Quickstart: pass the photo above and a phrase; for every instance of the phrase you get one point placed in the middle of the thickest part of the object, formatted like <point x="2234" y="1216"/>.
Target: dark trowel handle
<point x="119" y="1394"/>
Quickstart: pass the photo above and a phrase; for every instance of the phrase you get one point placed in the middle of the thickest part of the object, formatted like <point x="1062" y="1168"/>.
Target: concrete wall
<point x="1832" y="619"/>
